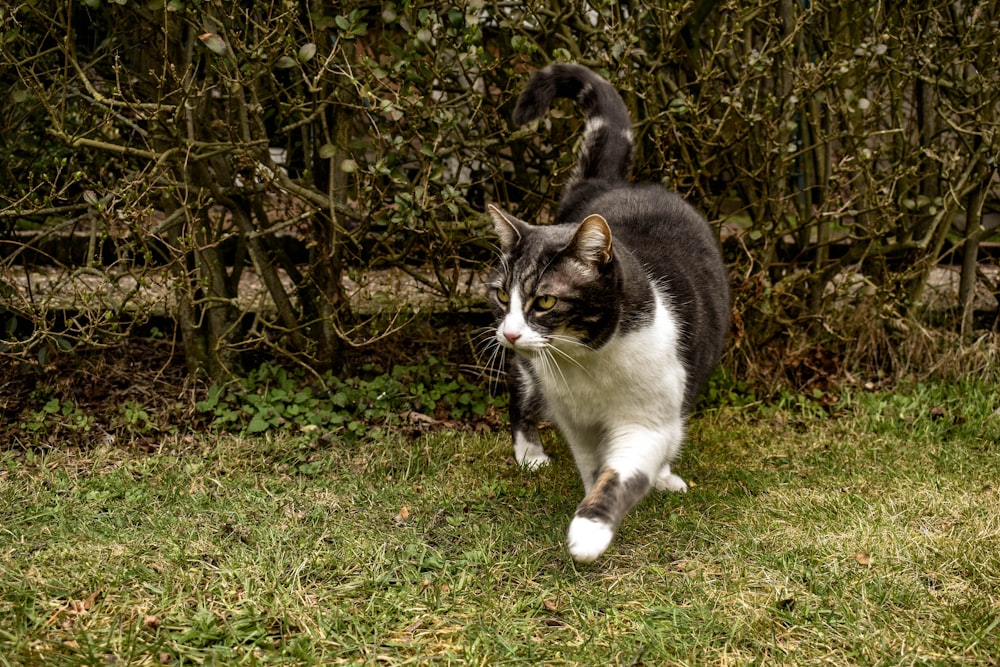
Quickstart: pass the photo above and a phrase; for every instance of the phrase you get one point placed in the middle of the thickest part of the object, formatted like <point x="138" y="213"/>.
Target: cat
<point x="616" y="314"/>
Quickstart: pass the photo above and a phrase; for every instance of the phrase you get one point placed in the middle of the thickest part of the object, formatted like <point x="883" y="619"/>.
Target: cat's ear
<point x="592" y="241"/>
<point x="507" y="227"/>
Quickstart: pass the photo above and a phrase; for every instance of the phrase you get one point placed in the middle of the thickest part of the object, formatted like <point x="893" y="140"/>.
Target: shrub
<point x="842" y="149"/>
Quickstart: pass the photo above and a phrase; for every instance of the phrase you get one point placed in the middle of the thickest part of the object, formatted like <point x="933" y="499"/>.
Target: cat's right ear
<point x="507" y="227"/>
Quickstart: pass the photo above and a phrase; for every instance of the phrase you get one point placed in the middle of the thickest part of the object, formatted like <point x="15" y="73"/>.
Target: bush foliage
<point x="842" y="150"/>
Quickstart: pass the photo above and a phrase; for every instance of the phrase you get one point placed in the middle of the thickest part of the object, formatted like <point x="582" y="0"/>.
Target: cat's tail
<point x="606" y="150"/>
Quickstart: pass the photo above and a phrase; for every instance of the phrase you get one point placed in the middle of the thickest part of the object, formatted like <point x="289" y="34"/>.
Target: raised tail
<point x="606" y="150"/>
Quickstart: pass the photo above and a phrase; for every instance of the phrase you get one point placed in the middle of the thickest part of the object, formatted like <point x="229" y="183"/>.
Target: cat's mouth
<point x="532" y="343"/>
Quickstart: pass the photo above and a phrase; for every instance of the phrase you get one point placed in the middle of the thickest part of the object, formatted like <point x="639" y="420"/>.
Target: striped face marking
<point x="514" y="332"/>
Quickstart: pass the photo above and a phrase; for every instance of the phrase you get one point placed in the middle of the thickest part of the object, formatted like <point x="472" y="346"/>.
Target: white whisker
<point x="551" y="362"/>
<point x="490" y="356"/>
<point x="498" y="369"/>
<point x="569" y="339"/>
<point x="566" y="355"/>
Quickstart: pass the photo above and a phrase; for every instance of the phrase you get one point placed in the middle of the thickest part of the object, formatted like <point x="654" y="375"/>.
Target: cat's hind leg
<point x="667" y="480"/>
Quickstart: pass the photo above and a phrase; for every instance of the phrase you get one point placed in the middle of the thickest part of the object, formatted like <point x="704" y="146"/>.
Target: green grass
<point x="867" y="537"/>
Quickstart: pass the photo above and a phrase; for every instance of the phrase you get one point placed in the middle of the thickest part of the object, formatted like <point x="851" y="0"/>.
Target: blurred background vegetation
<point x="296" y="180"/>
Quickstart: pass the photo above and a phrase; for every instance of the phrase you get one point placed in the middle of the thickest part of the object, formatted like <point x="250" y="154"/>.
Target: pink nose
<point x="512" y="336"/>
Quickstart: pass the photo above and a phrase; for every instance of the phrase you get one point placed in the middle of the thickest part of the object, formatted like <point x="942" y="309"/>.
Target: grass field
<point x="869" y="536"/>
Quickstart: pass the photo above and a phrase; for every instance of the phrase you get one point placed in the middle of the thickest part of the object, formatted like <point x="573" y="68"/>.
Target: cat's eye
<point x="545" y="302"/>
<point x="502" y="295"/>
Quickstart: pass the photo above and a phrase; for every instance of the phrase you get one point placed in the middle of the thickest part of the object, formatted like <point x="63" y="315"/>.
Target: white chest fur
<point x="636" y="378"/>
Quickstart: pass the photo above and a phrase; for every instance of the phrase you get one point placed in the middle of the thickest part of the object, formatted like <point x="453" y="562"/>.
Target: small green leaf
<point x="214" y="43"/>
<point x="307" y="52"/>
<point x="258" y="424"/>
<point x="211" y="400"/>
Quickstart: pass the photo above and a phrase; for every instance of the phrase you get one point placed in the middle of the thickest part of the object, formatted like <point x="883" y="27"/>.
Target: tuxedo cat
<point x="616" y="315"/>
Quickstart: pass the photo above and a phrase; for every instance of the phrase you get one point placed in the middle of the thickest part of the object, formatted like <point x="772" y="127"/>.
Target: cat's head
<point x="555" y="286"/>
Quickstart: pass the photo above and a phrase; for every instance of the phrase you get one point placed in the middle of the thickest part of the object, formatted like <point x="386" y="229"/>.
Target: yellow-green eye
<point x="502" y="295"/>
<point x="545" y="302"/>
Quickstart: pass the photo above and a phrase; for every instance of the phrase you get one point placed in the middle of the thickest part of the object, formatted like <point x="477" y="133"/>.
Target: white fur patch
<point x="588" y="539"/>
<point x="620" y="406"/>
<point x="593" y="124"/>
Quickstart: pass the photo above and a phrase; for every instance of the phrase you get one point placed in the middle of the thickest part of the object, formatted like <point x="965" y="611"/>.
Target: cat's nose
<point x="512" y="336"/>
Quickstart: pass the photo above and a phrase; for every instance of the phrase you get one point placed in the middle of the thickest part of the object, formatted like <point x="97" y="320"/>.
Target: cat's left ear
<point x="592" y="241"/>
<point x="507" y="227"/>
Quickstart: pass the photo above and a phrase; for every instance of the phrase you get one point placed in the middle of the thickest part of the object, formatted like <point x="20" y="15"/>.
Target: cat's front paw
<point x="588" y="539"/>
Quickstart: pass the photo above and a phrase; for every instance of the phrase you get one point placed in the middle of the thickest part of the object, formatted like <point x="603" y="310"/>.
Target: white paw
<point x="529" y="453"/>
<point x="588" y="539"/>
<point x="668" y="481"/>
<point x="534" y="462"/>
